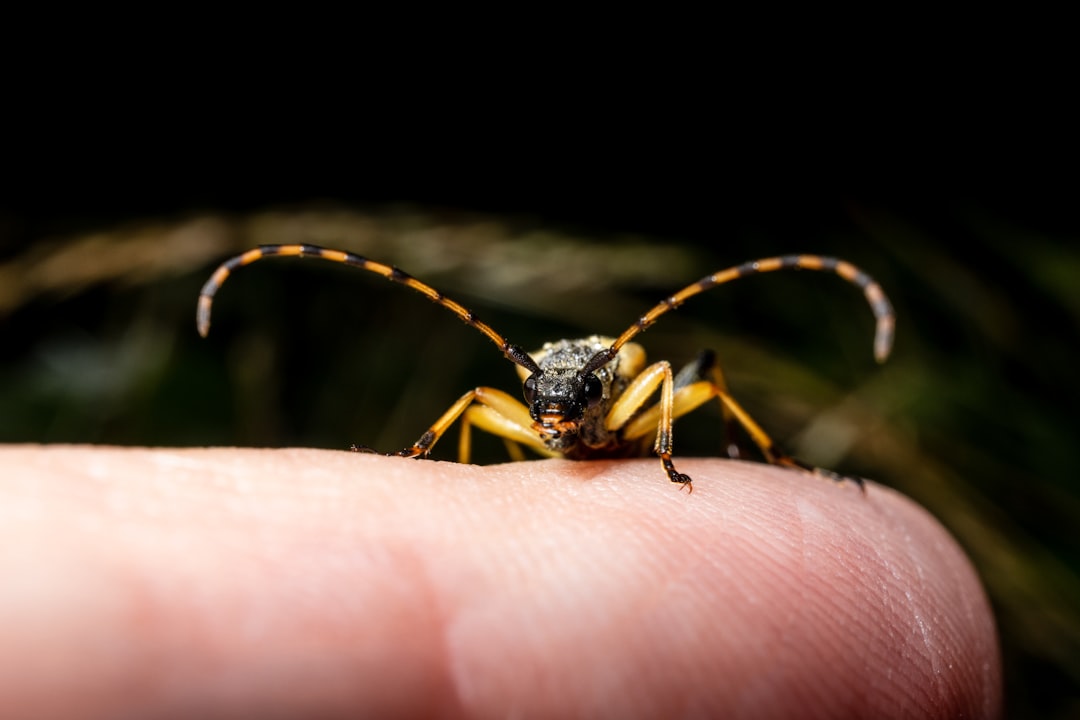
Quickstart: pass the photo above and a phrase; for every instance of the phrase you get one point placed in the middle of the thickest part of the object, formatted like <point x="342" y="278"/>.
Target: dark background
<point x="562" y="227"/>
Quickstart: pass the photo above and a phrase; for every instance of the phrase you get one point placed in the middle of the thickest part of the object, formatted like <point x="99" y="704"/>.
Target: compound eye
<point x="594" y="390"/>
<point x="529" y="389"/>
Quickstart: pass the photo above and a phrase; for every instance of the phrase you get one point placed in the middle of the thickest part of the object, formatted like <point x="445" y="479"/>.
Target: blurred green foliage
<point x="973" y="416"/>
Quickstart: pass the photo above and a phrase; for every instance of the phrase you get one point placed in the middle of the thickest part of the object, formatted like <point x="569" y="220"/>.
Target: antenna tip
<point x="883" y="341"/>
<point x="202" y="316"/>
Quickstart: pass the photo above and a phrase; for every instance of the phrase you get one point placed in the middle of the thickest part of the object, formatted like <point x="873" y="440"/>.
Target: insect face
<point x="558" y="399"/>
<point x="567" y="401"/>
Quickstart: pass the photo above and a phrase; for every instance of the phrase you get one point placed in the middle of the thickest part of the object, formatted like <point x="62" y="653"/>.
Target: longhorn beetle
<point x="588" y="398"/>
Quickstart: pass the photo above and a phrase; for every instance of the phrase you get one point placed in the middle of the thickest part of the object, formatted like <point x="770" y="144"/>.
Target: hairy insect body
<point x="559" y="386"/>
<point x="594" y="397"/>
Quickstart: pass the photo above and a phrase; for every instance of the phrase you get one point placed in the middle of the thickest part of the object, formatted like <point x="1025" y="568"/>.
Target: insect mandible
<point x="590" y="398"/>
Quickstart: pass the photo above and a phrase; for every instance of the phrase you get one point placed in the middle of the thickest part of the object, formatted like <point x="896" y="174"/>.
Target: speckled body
<point x="561" y="362"/>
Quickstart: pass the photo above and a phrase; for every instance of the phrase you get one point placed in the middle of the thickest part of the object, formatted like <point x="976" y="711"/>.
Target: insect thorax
<point x="560" y="361"/>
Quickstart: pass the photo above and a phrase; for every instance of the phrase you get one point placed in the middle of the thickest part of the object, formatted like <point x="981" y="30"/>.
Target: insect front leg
<point x="488" y="409"/>
<point x="696" y="394"/>
<point x="634" y="398"/>
<point x="423" y="446"/>
<point x="503" y="415"/>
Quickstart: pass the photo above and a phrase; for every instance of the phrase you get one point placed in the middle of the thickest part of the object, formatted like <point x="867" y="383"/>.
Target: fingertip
<point x="767" y="592"/>
<point x="825" y="595"/>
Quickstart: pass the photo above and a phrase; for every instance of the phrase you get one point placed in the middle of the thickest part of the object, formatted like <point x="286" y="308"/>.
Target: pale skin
<point x="308" y="583"/>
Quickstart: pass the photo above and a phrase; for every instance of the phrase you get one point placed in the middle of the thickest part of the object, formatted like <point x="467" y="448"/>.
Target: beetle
<point x="590" y="397"/>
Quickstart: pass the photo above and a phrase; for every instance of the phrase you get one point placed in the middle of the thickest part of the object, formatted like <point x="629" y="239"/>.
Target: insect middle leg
<point x="706" y="367"/>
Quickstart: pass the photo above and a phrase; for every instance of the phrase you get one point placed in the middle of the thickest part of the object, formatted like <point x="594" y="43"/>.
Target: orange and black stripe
<point x="875" y="296"/>
<point x="206" y="296"/>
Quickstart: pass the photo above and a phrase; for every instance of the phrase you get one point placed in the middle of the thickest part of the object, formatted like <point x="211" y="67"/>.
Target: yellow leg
<point x="488" y="409"/>
<point x="634" y="397"/>
<point x="684" y="400"/>
<point x="774" y="454"/>
<point x="693" y="396"/>
<point x="423" y="446"/>
<point x="500" y="414"/>
<point x="514" y="451"/>
<point x="705" y="367"/>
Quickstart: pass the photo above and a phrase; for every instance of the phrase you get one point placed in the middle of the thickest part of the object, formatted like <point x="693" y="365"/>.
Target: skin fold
<point x="162" y="583"/>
